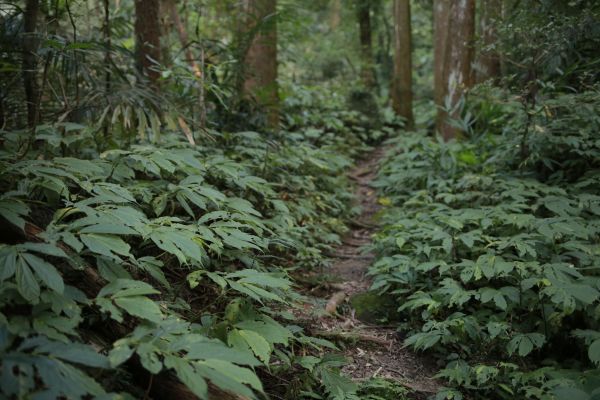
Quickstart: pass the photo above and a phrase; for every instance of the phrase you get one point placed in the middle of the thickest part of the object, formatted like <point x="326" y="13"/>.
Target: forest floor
<point x="349" y="315"/>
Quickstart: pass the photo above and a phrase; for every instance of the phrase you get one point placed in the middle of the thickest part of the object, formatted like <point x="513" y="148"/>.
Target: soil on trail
<point x="375" y="351"/>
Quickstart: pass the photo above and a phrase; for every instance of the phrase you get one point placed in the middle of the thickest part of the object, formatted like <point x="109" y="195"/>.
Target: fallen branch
<point x="352" y="336"/>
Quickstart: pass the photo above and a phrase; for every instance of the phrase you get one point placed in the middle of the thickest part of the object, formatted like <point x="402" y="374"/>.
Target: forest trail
<point x="375" y="351"/>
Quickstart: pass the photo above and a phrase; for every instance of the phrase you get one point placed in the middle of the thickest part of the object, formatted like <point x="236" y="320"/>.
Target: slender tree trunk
<point x="183" y="37"/>
<point x="166" y="28"/>
<point x="488" y="60"/>
<point x="402" y="80"/>
<point x="457" y="74"/>
<point x="441" y="19"/>
<point x="29" y="62"/>
<point x="260" y="78"/>
<point x="147" y="36"/>
<point x="106" y="30"/>
<point x="363" y="14"/>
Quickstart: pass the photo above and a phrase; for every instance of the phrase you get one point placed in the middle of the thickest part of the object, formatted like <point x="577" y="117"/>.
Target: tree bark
<point x="363" y="14"/>
<point x="29" y="62"/>
<point x="147" y="37"/>
<point x="488" y="59"/>
<point x="106" y="32"/>
<point x="260" y="77"/>
<point x="441" y="19"/>
<point x="457" y="74"/>
<point x="166" y="28"/>
<point x="402" y="80"/>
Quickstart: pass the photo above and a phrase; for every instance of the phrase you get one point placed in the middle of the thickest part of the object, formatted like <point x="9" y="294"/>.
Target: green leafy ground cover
<point x="491" y="246"/>
<point x="170" y="258"/>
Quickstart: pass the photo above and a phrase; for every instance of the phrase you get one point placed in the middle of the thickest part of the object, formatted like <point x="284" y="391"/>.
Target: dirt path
<point x="376" y="351"/>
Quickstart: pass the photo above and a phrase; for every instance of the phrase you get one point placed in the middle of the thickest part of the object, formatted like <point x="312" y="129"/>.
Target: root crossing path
<point x="374" y="350"/>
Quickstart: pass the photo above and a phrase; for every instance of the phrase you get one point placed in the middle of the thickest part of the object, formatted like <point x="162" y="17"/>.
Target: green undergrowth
<point x="383" y="389"/>
<point x="169" y="258"/>
<point x="490" y="246"/>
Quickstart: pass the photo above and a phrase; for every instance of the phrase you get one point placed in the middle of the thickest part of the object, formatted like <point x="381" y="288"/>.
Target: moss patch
<point x="373" y="308"/>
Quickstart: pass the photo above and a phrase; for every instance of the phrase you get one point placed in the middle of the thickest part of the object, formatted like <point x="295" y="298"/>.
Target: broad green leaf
<point x="13" y="210"/>
<point x="45" y="271"/>
<point x="44" y="248"/>
<point x="258" y="344"/>
<point x="238" y="374"/>
<point x="188" y="376"/>
<point x="212" y="350"/>
<point x="127" y="287"/>
<point x="149" y="357"/>
<point x="27" y="284"/>
<point x="106" y="245"/>
<point x="594" y="352"/>
<point x="140" y="306"/>
<point x="8" y="260"/>
<point x="119" y="354"/>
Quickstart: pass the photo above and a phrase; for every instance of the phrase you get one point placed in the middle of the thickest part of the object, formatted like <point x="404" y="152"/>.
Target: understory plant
<point x="490" y="246"/>
<point x="161" y="265"/>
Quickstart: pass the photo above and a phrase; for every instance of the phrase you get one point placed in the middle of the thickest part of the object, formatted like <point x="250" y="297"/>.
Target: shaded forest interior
<point x="285" y="199"/>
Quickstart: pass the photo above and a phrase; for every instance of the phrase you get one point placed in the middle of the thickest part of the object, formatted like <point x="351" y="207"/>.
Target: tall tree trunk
<point x="29" y="62"/>
<point x="441" y="20"/>
<point x="402" y="80"/>
<point x="147" y="36"/>
<point x="260" y="78"/>
<point x="166" y="28"/>
<point x="457" y="74"/>
<point x="488" y="59"/>
<point x="363" y="14"/>
<point x="106" y="32"/>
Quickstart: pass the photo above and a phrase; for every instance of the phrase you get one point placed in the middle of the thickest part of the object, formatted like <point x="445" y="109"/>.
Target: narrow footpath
<point x="375" y="350"/>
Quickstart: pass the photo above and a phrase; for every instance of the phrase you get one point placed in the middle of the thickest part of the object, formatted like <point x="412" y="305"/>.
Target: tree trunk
<point x="106" y="32"/>
<point x="260" y="78"/>
<point x="366" y="43"/>
<point x="147" y="37"/>
<point x="457" y="74"/>
<point x="166" y="28"/>
<point x="402" y="80"/>
<point x="29" y="62"/>
<point x="441" y="19"/>
<point x="488" y="60"/>
<point x="171" y="5"/>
